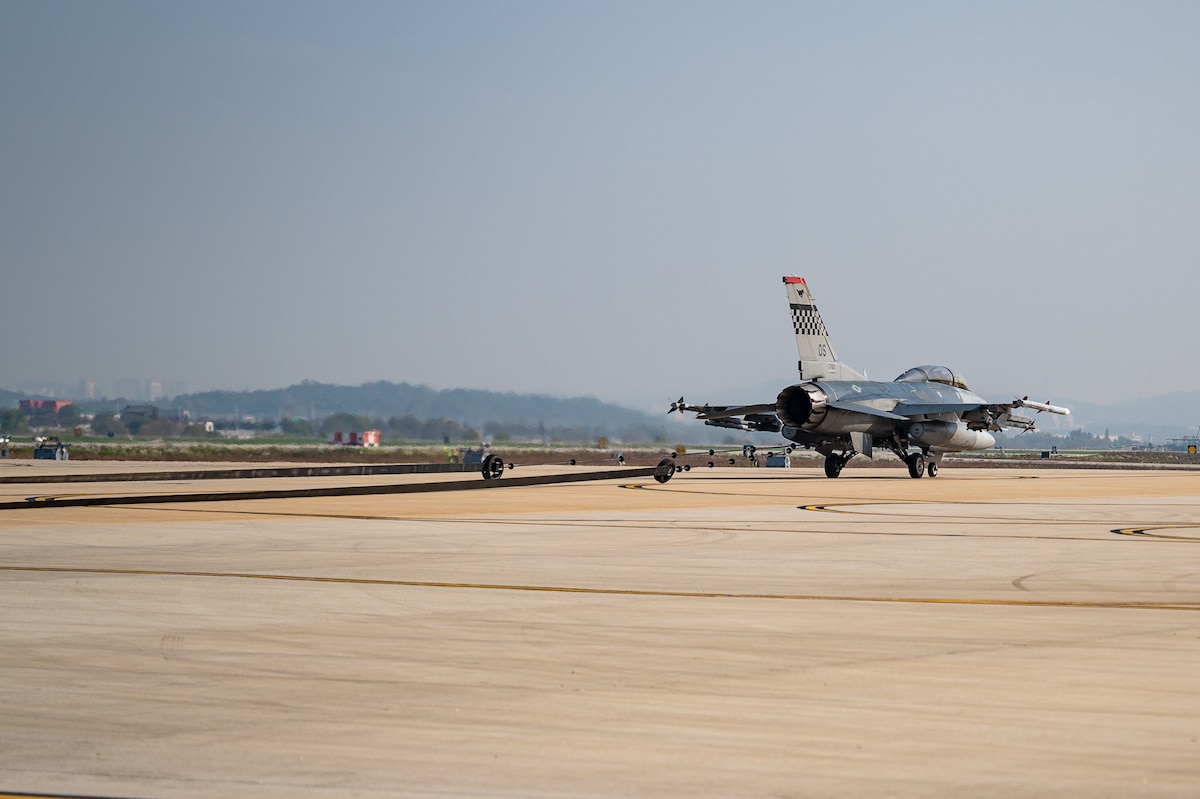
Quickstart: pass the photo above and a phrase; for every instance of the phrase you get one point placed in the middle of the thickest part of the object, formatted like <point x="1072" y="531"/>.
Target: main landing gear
<point x="834" y="463"/>
<point x="920" y="464"/>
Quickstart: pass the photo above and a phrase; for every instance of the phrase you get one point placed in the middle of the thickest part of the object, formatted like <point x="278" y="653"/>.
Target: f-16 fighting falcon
<point x="920" y="416"/>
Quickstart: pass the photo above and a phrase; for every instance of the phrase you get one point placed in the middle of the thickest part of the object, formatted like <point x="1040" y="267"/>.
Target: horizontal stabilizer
<point x="725" y="411"/>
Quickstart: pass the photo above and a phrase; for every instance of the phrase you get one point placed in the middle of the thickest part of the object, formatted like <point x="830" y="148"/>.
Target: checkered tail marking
<point x="807" y="321"/>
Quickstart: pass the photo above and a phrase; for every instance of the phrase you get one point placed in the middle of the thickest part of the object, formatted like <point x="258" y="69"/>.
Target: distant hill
<point x="9" y="399"/>
<point x="522" y="415"/>
<point x="384" y="399"/>
<point x="537" y="415"/>
<point x="1165" y="416"/>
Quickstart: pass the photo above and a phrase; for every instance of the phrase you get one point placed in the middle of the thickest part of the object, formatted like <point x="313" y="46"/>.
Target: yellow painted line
<point x="1145" y="532"/>
<point x="619" y="591"/>
<point x="831" y="508"/>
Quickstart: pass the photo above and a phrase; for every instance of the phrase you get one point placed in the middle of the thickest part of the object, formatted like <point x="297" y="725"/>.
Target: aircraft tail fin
<point x="818" y="360"/>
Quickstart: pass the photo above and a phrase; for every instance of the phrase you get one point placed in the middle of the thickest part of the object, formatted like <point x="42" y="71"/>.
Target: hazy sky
<point x="600" y="198"/>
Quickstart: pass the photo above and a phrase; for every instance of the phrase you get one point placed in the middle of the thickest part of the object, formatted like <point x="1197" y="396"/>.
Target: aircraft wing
<point x="910" y="409"/>
<point x="995" y="415"/>
<point x="858" y="407"/>
<point x="761" y="417"/>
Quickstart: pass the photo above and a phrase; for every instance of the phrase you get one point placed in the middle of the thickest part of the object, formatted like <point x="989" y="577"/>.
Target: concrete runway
<point x="734" y="632"/>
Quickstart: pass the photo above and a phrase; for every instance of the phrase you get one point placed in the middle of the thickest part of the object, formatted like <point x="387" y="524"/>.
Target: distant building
<point x="139" y="411"/>
<point x="367" y="438"/>
<point x="31" y="406"/>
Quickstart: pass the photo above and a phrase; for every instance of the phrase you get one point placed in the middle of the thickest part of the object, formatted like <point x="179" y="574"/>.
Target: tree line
<point x="148" y="422"/>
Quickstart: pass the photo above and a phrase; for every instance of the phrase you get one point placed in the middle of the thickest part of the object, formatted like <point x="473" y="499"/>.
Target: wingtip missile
<point x="1044" y="406"/>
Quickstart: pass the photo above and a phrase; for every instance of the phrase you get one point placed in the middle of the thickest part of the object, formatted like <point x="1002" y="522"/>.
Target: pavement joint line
<point x="21" y="795"/>
<point x="329" y="491"/>
<point x="1030" y="603"/>
<point x="637" y="526"/>
<point x="1129" y="532"/>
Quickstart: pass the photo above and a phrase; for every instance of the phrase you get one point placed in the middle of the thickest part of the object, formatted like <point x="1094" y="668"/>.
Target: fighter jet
<point x="920" y="416"/>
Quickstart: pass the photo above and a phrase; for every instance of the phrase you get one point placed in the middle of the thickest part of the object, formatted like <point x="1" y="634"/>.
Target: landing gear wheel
<point x="665" y="470"/>
<point x="916" y="465"/>
<point x="493" y="467"/>
<point x="931" y="469"/>
<point x="833" y="465"/>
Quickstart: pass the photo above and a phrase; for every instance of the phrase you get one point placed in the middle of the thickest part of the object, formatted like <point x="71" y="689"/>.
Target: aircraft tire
<point x="833" y="465"/>
<point x="916" y="465"/>
<point x="493" y="467"/>
<point x="931" y="469"/>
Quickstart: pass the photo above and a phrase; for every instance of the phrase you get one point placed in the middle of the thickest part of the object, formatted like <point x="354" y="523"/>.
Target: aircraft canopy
<point x="933" y="374"/>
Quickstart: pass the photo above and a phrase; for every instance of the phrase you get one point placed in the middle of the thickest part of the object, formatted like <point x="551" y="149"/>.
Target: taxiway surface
<point x="733" y="632"/>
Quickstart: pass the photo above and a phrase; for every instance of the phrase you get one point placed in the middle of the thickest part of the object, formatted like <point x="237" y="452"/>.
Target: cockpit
<point x="933" y="374"/>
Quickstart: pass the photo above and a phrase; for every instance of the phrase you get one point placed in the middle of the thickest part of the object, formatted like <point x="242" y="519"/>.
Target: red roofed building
<point x="43" y="406"/>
